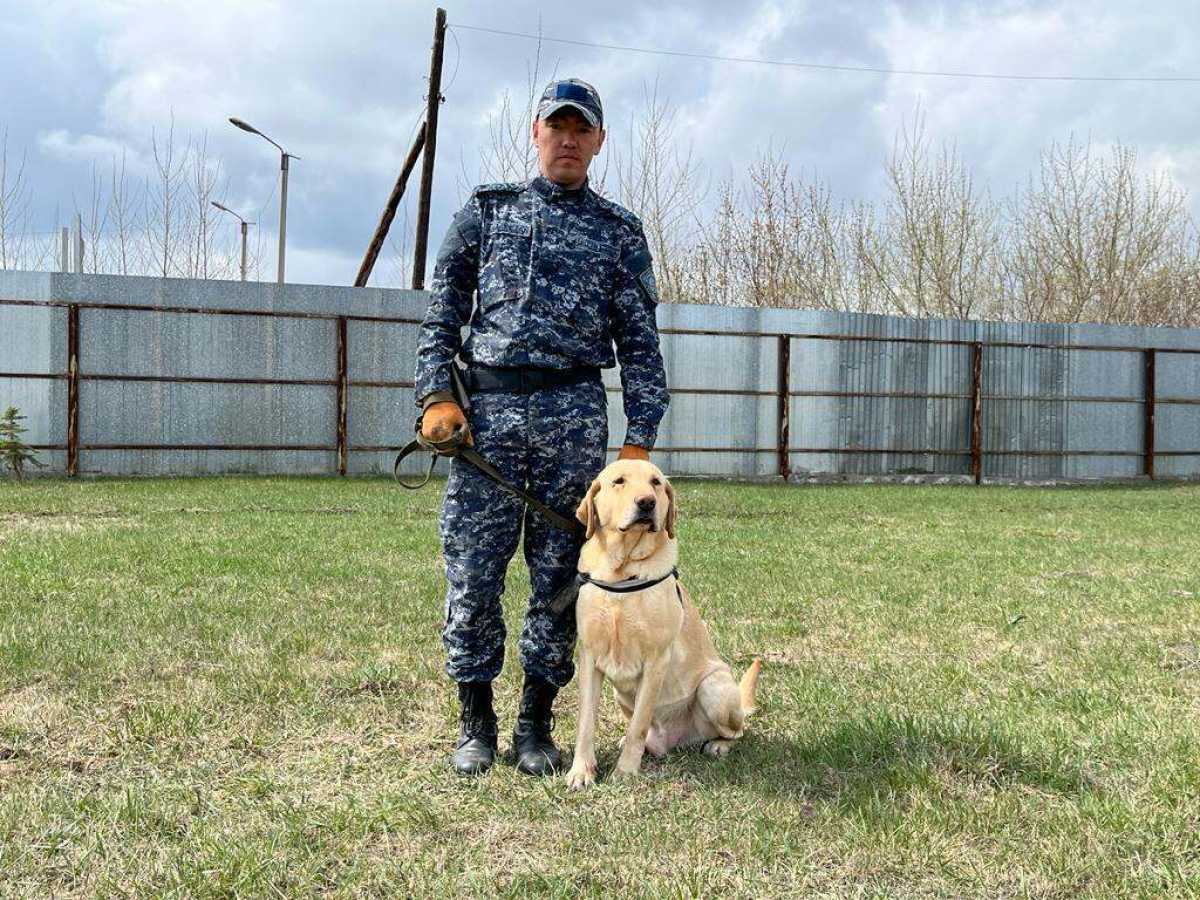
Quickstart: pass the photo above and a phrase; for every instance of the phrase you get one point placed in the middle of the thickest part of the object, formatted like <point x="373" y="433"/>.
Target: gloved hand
<point x="633" y="451"/>
<point x="442" y="421"/>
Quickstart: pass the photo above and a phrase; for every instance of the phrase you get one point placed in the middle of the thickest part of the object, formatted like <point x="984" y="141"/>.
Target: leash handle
<point x="459" y="447"/>
<point x="409" y="449"/>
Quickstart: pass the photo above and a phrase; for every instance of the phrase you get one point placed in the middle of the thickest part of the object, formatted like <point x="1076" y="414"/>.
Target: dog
<point x="651" y="644"/>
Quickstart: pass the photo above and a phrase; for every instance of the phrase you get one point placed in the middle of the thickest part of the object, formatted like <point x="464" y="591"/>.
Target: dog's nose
<point x="645" y="504"/>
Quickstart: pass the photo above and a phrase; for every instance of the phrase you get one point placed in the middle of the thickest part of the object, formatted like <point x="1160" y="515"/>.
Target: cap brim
<point x="551" y="108"/>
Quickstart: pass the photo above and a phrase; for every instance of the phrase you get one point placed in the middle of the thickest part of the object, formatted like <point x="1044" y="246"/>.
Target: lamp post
<point x="284" y="156"/>
<point x="244" y="224"/>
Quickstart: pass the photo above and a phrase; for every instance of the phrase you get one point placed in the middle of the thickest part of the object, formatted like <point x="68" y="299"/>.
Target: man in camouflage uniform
<point x="557" y="275"/>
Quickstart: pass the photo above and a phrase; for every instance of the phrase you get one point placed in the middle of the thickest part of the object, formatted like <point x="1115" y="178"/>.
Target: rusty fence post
<point x="976" y="412"/>
<point x="72" y="390"/>
<point x="342" y="394"/>
<point x="784" y="358"/>
<point x="1148" y="431"/>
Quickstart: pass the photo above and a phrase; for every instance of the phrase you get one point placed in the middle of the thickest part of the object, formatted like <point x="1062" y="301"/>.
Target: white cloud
<point x="342" y="87"/>
<point x="68" y="147"/>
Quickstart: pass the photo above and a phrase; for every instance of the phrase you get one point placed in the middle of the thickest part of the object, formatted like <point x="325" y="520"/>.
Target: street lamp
<point x="244" y="224"/>
<point x="284" y="156"/>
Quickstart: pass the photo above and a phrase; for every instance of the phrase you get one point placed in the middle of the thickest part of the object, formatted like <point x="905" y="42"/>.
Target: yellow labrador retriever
<point x="651" y="643"/>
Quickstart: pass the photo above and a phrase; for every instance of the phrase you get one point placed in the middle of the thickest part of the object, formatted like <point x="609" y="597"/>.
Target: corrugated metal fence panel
<point x="381" y="351"/>
<point x="33" y="340"/>
<point x="27" y="339"/>
<point x="380" y="416"/>
<point x="195" y="345"/>
<point x="695" y="363"/>
<point x="1013" y="424"/>
<point x="696" y="419"/>
<point x="1113" y="419"/>
<point x="1177" y="426"/>
<point x="724" y="408"/>
<point x="173" y="414"/>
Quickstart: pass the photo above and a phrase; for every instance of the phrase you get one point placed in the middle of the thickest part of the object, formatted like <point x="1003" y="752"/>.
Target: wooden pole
<point x="431" y="118"/>
<point x="1148" y="434"/>
<point x="977" y="412"/>
<point x="343" y="395"/>
<point x="72" y="390"/>
<point x="783" y="431"/>
<point x="389" y="211"/>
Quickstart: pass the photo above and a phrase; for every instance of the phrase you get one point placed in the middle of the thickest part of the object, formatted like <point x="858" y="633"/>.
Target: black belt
<point x="525" y="380"/>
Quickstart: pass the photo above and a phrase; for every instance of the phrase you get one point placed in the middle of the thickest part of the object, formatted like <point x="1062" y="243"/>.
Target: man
<point x="558" y="275"/>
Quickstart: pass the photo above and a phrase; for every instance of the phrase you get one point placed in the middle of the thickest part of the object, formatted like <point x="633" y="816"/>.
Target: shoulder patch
<point x="499" y="187"/>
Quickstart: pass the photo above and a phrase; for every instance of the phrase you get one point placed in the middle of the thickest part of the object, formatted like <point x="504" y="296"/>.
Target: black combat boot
<point x="532" y="745"/>
<point x="476" y="748"/>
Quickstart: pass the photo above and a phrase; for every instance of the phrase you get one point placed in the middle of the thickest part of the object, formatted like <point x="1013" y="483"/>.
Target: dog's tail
<point x="749" y="687"/>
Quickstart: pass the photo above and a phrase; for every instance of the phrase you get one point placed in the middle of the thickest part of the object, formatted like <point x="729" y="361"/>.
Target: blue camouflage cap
<point x="575" y="93"/>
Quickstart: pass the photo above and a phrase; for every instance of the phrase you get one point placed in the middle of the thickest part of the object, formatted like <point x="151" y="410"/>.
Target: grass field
<point x="233" y="687"/>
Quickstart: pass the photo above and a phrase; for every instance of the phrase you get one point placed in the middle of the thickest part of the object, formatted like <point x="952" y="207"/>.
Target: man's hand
<point x="633" y="451"/>
<point x="442" y="421"/>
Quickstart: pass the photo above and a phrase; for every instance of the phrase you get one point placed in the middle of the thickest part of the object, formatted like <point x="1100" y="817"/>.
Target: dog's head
<point x="629" y="495"/>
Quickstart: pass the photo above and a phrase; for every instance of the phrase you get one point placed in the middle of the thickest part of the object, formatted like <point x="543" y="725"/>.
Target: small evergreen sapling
<point x="13" y="451"/>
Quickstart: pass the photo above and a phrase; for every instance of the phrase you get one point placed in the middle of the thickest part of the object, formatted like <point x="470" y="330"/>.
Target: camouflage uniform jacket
<point x="557" y="276"/>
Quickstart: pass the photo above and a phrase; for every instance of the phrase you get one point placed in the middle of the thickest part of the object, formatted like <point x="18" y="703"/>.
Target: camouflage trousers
<point x="552" y="443"/>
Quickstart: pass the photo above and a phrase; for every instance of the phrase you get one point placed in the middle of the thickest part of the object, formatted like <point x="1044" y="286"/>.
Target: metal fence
<point x="169" y="376"/>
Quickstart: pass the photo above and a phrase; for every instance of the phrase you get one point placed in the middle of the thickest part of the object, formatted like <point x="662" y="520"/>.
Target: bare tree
<point x="783" y="241"/>
<point x="94" y="219"/>
<point x="1093" y="241"/>
<point x="510" y="154"/>
<point x="199" y="223"/>
<point x="938" y="250"/>
<point x="14" y="205"/>
<point x="164" y="203"/>
<point x="660" y="181"/>
<point x="400" y="244"/>
<point x="123" y="208"/>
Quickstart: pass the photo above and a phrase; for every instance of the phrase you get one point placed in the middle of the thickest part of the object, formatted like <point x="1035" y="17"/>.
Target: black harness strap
<point x="565" y="598"/>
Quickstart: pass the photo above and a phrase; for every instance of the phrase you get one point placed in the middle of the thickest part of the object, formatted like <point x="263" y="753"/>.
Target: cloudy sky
<point x="341" y="85"/>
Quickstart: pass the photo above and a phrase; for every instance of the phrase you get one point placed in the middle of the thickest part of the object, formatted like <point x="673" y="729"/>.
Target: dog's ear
<point x="586" y="513"/>
<point x="669" y="525"/>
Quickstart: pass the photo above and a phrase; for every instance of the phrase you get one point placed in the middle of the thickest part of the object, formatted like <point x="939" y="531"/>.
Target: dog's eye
<point x="655" y="482"/>
<point x="619" y="481"/>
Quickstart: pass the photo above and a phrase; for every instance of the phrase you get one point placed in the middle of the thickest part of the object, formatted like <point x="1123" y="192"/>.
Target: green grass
<point x="233" y="687"/>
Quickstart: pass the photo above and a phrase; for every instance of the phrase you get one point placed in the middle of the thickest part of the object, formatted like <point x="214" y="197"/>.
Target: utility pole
<point x="283" y="166"/>
<point x="431" y="119"/>
<point x="225" y="208"/>
<point x="78" y="244"/>
<point x="284" y="156"/>
<point x="389" y="211"/>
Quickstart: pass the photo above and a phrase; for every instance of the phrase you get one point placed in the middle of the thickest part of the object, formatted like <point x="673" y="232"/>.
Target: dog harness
<point x="566" y="598"/>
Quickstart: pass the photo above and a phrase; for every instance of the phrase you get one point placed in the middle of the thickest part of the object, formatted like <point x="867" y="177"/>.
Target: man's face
<point x="566" y="143"/>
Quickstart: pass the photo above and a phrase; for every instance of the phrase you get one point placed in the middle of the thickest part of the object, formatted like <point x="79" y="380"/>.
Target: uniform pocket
<point x="506" y="260"/>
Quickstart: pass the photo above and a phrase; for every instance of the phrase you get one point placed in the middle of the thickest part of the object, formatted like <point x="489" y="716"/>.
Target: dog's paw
<point x="581" y="777"/>
<point x="624" y="776"/>
<point x="718" y="748"/>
